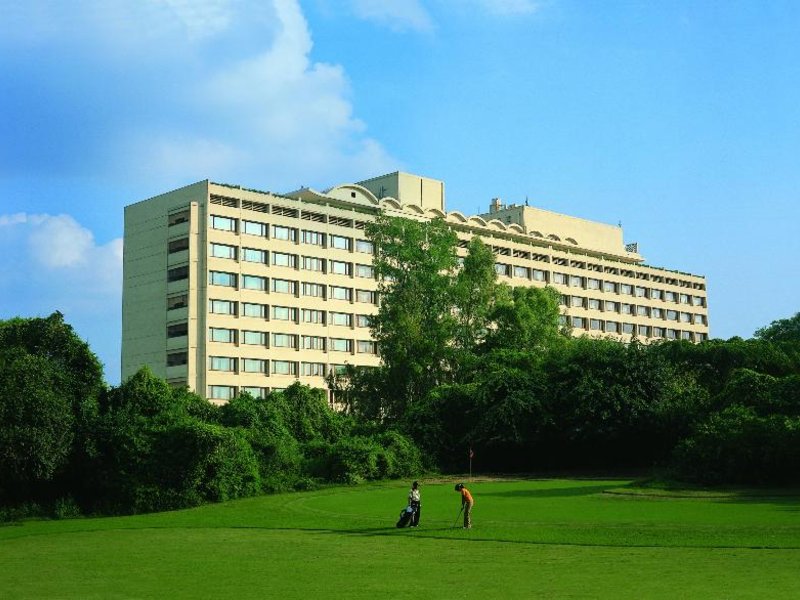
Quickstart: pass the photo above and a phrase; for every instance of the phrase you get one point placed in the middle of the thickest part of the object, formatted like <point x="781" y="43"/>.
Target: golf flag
<point x="471" y="453"/>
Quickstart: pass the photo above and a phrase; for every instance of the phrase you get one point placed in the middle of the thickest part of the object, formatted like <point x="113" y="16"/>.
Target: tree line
<point x="467" y="362"/>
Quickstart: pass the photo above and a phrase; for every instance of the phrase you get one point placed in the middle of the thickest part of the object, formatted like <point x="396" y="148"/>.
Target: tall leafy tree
<point x="415" y="262"/>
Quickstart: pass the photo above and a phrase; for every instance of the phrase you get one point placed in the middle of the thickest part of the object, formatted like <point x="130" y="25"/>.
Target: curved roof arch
<point x="390" y="202"/>
<point x="571" y="240"/>
<point x="535" y="233"/>
<point x="477" y="220"/>
<point x="516" y="227"/>
<point x="456" y="216"/>
<point x="436" y="213"/>
<point x="354" y="187"/>
<point x="497" y="224"/>
<point x="414" y="208"/>
<point x="554" y="237"/>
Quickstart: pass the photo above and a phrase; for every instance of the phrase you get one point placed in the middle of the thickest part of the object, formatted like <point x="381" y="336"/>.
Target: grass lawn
<point x="531" y="539"/>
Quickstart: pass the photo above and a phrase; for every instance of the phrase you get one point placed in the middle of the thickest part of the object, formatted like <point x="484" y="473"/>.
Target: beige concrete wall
<point x="408" y="189"/>
<point x="580" y="273"/>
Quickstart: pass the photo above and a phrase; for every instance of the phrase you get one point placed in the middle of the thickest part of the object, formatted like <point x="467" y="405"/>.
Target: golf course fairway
<point x="548" y="538"/>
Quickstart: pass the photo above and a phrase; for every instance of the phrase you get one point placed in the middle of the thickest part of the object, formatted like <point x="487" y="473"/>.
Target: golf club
<point x="457" y="517"/>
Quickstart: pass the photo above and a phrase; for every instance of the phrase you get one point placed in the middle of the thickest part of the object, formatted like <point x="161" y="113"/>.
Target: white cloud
<point x="399" y="15"/>
<point x="509" y="7"/>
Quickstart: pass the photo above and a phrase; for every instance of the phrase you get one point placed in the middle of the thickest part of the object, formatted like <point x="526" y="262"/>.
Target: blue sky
<point x="681" y="120"/>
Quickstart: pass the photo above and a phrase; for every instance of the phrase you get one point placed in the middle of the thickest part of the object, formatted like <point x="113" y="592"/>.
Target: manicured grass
<point x="532" y="538"/>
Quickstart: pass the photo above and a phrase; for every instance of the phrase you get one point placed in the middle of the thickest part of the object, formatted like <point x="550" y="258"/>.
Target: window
<point x="684" y="299"/>
<point x="343" y="319"/>
<point x="178" y="273"/>
<point x="341" y="243"/>
<point x="312" y="342"/>
<point x="284" y="340"/>
<point x="340" y="293"/>
<point x="593" y="284"/>
<point x="699" y="320"/>
<point x="658" y="332"/>
<point x="284" y="313"/>
<point x="686" y="335"/>
<point x="656" y="294"/>
<point x="611" y="306"/>
<point x="627" y="328"/>
<point x="338" y="267"/>
<point x="501" y="269"/>
<point x="697" y="301"/>
<point x="685" y="317"/>
<point x="222" y="363"/>
<point x="223" y="223"/>
<point x="284" y="367"/>
<point x="311" y="263"/>
<point x="595" y="325"/>
<point x="223" y="251"/>
<point x="672" y="315"/>
<point x="177" y="218"/>
<point x="218" y="334"/>
<point x="177" y="330"/>
<point x="255" y="392"/>
<point x="284" y="233"/>
<point x="175" y="359"/>
<point x="284" y="286"/>
<point x="177" y="301"/>
<point x="559" y="278"/>
<point x="539" y="275"/>
<point x="610" y="286"/>
<point x="254" y="365"/>
<point x="308" y="315"/>
<point x="700" y="337"/>
<point x="576" y="301"/>
<point x="338" y="369"/>
<point x="657" y="313"/>
<point x="254" y="282"/>
<point x="280" y="259"/>
<point x="643" y="330"/>
<point x="626" y="289"/>
<point x="317" y="290"/>
<point x="640" y="292"/>
<point x="672" y="334"/>
<point x="223" y="279"/>
<point x="178" y="245"/>
<point x="362" y="320"/>
<point x="575" y="281"/>
<point x="250" y="309"/>
<point x="521" y="272"/>
<point x="341" y="345"/>
<point x="365" y="246"/>
<point x="367" y="347"/>
<point x="253" y="255"/>
<point x="642" y="311"/>
<point x="221" y="392"/>
<point x="669" y="296"/>
<point x="365" y="271"/>
<point x="594" y="304"/>
<point x="577" y="322"/>
<point x="612" y="327"/>
<point x="254" y="228"/>
<point x="626" y="309"/>
<point x="366" y="296"/>
<point x="222" y="307"/>
<point x="315" y="238"/>
<point x="313" y="369"/>
<point x="254" y="338"/>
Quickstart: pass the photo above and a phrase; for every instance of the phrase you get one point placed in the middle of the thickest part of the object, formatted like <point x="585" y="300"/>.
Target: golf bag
<point x="405" y="517"/>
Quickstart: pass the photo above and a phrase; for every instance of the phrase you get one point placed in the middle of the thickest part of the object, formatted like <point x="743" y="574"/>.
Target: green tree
<point x="782" y="330"/>
<point x="526" y="319"/>
<point x="415" y="262"/>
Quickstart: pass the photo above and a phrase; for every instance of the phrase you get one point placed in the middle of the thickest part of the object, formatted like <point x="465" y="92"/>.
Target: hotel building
<point x="228" y="289"/>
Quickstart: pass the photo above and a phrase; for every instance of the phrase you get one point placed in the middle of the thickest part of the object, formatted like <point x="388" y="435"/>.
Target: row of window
<point x="266" y="311"/>
<point x="625" y="289"/>
<point x="289" y="340"/>
<point x="278" y="367"/>
<point x="640" y="310"/>
<point x="293" y="261"/>
<point x="290" y="234"/>
<point x="646" y="331"/>
<point x="231" y="364"/>
<point x="291" y="287"/>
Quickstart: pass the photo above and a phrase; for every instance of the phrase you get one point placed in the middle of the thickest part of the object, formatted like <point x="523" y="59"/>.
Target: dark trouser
<point x="417" y="510"/>
<point x="467" y="515"/>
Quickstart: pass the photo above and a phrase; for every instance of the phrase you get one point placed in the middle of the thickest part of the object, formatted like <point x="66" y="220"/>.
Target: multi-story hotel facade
<point x="228" y="289"/>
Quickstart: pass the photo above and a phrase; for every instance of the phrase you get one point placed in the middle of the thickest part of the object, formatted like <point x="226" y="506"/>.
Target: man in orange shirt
<point x="466" y="504"/>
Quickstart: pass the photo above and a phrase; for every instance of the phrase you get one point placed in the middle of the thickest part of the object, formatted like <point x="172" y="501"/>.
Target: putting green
<point x="531" y="538"/>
